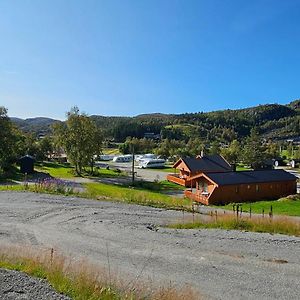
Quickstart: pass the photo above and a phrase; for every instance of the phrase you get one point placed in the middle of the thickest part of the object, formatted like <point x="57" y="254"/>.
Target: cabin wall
<point x="252" y="192"/>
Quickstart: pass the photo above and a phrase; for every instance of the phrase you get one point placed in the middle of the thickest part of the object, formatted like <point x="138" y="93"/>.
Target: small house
<point x="190" y="166"/>
<point x="244" y="186"/>
<point x="27" y="164"/>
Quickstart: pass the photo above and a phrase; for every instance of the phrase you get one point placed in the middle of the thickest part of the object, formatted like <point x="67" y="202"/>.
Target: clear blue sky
<point x="131" y="57"/>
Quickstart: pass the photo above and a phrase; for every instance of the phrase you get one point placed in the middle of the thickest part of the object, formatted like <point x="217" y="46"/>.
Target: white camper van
<point x="152" y="163"/>
<point x="123" y="158"/>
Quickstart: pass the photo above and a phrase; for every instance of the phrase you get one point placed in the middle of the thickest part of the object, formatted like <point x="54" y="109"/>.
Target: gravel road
<point x="220" y="264"/>
<point x="19" y="286"/>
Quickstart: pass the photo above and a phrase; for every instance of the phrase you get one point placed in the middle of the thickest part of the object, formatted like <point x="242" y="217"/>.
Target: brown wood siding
<point x="252" y="192"/>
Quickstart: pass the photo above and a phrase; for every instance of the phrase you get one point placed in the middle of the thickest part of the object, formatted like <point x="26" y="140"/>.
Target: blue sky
<point x="130" y="57"/>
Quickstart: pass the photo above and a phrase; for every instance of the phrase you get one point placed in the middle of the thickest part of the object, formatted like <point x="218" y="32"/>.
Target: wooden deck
<point x="176" y="179"/>
<point x="196" y="197"/>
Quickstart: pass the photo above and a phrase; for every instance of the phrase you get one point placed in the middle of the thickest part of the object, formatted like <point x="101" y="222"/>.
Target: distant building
<point x="294" y="140"/>
<point x="151" y="135"/>
<point x="27" y="164"/>
<point x="244" y="186"/>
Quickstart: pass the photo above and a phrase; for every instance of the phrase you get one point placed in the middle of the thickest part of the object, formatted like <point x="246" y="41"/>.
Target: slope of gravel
<point x="220" y="264"/>
<point x="19" y="286"/>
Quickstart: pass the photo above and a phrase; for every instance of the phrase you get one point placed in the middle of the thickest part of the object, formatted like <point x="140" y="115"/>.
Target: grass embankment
<point x="255" y="224"/>
<point x="135" y="195"/>
<point x="81" y="280"/>
<point x="284" y="206"/>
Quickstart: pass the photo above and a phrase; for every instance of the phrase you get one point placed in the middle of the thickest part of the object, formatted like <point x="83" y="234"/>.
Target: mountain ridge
<point x="272" y="119"/>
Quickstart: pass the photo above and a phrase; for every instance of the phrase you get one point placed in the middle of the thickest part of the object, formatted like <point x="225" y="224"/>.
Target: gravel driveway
<point x="19" y="286"/>
<point x="220" y="264"/>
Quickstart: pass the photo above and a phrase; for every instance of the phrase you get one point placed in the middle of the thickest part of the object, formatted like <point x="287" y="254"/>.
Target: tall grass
<point x="82" y="280"/>
<point x="284" y="206"/>
<point x="279" y="225"/>
<point x="135" y="195"/>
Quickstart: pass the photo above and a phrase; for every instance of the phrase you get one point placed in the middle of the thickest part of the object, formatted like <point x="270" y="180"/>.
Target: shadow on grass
<point x="49" y="164"/>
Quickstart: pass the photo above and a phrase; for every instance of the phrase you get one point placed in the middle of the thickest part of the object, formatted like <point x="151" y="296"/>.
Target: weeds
<point x="53" y="186"/>
<point x="81" y="280"/>
<point x="285" y="206"/>
<point x="255" y="224"/>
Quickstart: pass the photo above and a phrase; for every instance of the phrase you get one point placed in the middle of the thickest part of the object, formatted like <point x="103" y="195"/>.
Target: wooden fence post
<point x="271" y="212"/>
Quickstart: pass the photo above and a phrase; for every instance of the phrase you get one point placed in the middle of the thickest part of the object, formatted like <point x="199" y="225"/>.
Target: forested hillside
<point x="272" y="121"/>
<point x="39" y="125"/>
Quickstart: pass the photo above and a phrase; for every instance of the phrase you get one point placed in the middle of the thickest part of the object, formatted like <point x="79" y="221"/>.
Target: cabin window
<point x="271" y="186"/>
<point x="257" y="188"/>
<point x="205" y="187"/>
<point x="248" y="187"/>
<point x="237" y="189"/>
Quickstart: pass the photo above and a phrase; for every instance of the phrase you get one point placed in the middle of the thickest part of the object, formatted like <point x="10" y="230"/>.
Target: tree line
<point x="78" y="137"/>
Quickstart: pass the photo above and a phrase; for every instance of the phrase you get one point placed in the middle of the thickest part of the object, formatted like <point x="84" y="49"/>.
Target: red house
<point x="190" y="166"/>
<point x="245" y="186"/>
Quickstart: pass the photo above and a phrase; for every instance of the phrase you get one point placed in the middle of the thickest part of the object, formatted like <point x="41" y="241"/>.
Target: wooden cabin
<point x="191" y="166"/>
<point x="245" y="186"/>
<point x="27" y="164"/>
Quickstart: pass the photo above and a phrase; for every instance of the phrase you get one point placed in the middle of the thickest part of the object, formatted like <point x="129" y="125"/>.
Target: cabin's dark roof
<point x="207" y="163"/>
<point x="27" y="157"/>
<point x="247" y="177"/>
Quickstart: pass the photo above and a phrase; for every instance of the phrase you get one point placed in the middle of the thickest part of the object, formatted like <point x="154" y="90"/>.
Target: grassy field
<point x="111" y="151"/>
<point x="56" y="169"/>
<point x="284" y="206"/>
<point x="135" y="195"/>
<point x="160" y="186"/>
<point x="67" y="171"/>
<point x="81" y="280"/>
<point x="167" y="169"/>
<point x="255" y="224"/>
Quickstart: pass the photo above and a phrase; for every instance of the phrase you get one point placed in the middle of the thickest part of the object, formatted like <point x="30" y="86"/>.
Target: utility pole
<point x="132" y="170"/>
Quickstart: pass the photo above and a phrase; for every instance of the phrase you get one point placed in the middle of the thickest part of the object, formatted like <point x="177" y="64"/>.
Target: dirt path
<point x="220" y="264"/>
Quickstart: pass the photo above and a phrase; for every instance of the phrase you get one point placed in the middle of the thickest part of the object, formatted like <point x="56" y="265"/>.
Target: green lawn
<point x="168" y="169"/>
<point x="282" y="206"/>
<point x="12" y="187"/>
<point x="56" y="169"/>
<point x="111" y="151"/>
<point x="160" y="186"/>
<point x="135" y="195"/>
<point x="241" y="167"/>
<point x="66" y="171"/>
<point x="257" y="224"/>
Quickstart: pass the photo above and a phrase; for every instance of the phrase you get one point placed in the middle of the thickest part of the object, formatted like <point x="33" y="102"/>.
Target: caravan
<point x="123" y="158"/>
<point x="152" y="163"/>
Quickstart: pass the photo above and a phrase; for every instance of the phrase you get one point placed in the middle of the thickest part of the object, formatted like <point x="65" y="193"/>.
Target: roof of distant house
<point x="248" y="177"/>
<point x="207" y="163"/>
